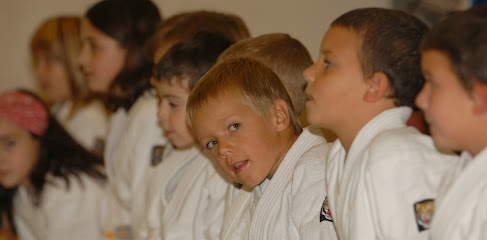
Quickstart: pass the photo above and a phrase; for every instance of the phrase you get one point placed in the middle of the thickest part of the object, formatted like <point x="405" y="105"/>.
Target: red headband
<point x="24" y="110"/>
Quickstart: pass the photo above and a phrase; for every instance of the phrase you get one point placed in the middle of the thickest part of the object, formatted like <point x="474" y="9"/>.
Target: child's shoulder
<point x="76" y="189"/>
<point x="145" y="106"/>
<point x="405" y="145"/>
<point x="311" y="165"/>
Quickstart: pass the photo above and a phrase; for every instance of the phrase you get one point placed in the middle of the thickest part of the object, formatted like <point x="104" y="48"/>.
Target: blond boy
<point x="242" y="114"/>
<point x="288" y="66"/>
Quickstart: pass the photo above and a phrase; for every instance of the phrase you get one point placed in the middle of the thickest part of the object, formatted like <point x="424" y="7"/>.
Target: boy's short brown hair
<point x="256" y="83"/>
<point x="184" y="25"/>
<point x="390" y="44"/>
<point x="462" y="37"/>
<point x="286" y="56"/>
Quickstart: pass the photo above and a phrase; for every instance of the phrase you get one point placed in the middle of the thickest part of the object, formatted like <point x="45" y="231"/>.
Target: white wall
<point x="306" y="20"/>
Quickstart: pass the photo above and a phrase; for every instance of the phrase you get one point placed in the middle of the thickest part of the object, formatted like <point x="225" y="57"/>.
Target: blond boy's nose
<point x="224" y="149"/>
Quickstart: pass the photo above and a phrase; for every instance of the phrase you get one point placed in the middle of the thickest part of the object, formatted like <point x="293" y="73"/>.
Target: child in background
<point x="53" y="186"/>
<point x="241" y="112"/>
<point x="191" y="192"/>
<point x="171" y="31"/>
<point x="288" y="66"/>
<point x="184" y="25"/>
<point x="381" y="176"/>
<point x="114" y="63"/>
<point x="55" y="48"/>
<point x="454" y="100"/>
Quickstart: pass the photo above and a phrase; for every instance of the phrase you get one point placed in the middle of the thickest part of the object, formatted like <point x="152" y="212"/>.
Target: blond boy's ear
<point x="281" y="115"/>
<point x="377" y="87"/>
<point x="479" y="95"/>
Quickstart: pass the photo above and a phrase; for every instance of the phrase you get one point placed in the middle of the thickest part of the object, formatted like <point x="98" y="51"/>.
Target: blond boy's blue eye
<point x="210" y="145"/>
<point x="234" y="126"/>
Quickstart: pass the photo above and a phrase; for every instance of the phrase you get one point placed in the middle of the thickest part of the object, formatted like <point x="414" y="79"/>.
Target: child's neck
<point x="288" y="141"/>
<point x="352" y="126"/>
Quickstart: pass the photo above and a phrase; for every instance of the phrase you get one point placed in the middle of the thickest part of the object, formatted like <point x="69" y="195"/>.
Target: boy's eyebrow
<point x="5" y="136"/>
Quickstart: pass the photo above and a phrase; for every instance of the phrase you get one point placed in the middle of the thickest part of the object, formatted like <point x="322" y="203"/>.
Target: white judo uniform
<point x="385" y="187"/>
<point x="88" y="125"/>
<point x="236" y="214"/>
<point x="283" y="208"/>
<point x="461" y="211"/>
<point x="74" y="212"/>
<point x="185" y="198"/>
<point x="130" y="159"/>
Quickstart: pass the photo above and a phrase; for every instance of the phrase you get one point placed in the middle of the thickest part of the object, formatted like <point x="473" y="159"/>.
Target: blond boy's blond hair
<point x="184" y="25"/>
<point x="285" y="55"/>
<point x="257" y="84"/>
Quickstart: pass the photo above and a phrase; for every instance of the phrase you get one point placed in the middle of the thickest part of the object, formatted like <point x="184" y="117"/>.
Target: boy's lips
<point x="168" y="133"/>
<point x="239" y="166"/>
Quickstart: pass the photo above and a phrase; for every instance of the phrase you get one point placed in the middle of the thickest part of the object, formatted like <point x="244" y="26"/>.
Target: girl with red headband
<point x="50" y="186"/>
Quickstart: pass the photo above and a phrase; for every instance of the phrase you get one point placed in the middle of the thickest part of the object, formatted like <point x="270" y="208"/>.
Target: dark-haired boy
<point x="382" y="176"/>
<point x="185" y="192"/>
<point x="454" y="99"/>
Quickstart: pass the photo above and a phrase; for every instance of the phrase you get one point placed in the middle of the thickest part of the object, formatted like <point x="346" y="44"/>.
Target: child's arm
<point x="401" y="183"/>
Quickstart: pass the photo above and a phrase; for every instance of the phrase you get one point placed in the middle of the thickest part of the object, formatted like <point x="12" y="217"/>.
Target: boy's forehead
<point x="339" y="40"/>
<point x="222" y="104"/>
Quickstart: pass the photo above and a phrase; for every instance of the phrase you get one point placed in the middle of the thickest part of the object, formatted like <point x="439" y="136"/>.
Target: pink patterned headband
<point x="24" y="110"/>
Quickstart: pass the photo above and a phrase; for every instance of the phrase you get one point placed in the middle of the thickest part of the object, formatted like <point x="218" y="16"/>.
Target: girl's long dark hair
<point x="60" y="156"/>
<point x="131" y="23"/>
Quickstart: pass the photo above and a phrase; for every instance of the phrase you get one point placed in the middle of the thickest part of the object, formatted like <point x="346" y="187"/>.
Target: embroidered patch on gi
<point x="325" y="212"/>
<point x="123" y="232"/>
<point x="157" y="155"/>
<point x="424" y="210"/>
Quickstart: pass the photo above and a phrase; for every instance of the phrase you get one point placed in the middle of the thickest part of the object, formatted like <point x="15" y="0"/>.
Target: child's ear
<point x="479" y="94"/>
<point x="281" y="114"/>
<point x="377" y="87"/>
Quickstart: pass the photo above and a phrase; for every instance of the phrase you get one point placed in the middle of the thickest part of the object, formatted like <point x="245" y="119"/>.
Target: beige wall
<point x="306" y="20"/>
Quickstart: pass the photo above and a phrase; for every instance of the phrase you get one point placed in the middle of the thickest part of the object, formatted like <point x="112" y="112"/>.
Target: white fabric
<point x="195" y="210"/>
<point x="64" y="213"/>
<point x="278" y="212"/>
<point x="158" y="190"/>
<point x="461" y="211"/>
<point x="389" y="168"/>
<point x="87" y="125"/>
<point x="130" y="160"/>
<point x="236" y="219"/>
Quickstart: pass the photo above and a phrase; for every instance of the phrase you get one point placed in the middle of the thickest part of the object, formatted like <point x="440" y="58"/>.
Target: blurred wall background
<point x="306" y="20"/>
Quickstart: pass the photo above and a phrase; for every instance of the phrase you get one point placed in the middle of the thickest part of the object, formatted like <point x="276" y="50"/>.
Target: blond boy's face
<point x="245" y="145"/>
<point x="172" y="112"/>
<point x="445" y="103"/>
<point x="335" y="82"/>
